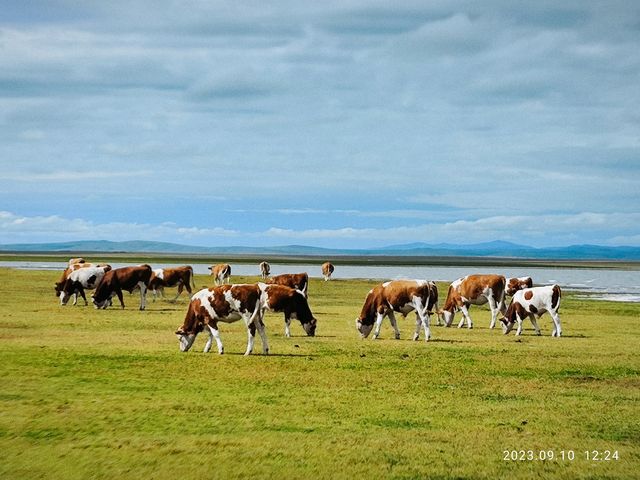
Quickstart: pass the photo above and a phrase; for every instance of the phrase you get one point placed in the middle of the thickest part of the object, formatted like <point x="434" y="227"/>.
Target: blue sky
<point x="337" y="123"/>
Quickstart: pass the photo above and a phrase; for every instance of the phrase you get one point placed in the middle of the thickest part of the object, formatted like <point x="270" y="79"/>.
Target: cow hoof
<point x="375" y="337"/>
<point x="397" y="336"/>
<point x="416" y="337"/>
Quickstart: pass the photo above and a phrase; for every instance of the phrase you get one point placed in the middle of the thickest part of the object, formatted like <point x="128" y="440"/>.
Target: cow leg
<point x="143" y="295"/>
<point x="416" y="334"/>
<point x="214" y="334"/>
<point x="75" y="298"/>
<point x="519" y="320"/>
<point x="557" y="327"/>
<point x="394" y="324"/>
<point x="251" y="335"/>
<point x="494" y="310"/>
<point x="535" y="324"/>
<point x="263" y="336"/>
<point x="379" y="318"/>
<point x="119" y="294"/>
<point x="84" y="297"/>
<point x="465" y="316"/>
<point x="287" y="323"/>
<point x="180" y="287"/>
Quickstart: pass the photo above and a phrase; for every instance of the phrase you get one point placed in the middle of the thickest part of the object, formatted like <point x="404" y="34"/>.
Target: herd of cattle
<point x="287" y="293"/>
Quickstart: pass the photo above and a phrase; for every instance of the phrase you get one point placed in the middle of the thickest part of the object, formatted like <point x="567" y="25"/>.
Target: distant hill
<point x="487" y="249"/>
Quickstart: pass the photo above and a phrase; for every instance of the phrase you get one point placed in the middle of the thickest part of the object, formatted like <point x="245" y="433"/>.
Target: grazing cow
<point x="474" y="290"/>
<point x="182" y="277"/>
<point x="80" y="280"/>
<point x="59" y="285"/>
<point x="224" y="303"/>
<point x="299" y="281"/>
<point x="265" y="269"/>
<point x="532" y="303"/>
<point x="401" y="296"/>
<point x="220" y="273"/>
<point x="517" y="283"/>
<point x="327" y="270"/>
<point x="125" y="278"/>
<point x="280" y="298"/>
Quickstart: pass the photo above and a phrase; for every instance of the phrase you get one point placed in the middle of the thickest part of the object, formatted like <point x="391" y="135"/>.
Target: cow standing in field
<point x="182" y="277"/>
<point x="265" y="269"/>
<point x="532" y="303"/>
<point x="59" y="285"/>
<point x="228" y="304"/>
<point x="401" y="296"/>
<point x="220" y="273"/>
<point x="517" y="283"/>
<point x="80" y="280"/>
<point x="299" y="281"/>
<point x="125" y="278"/>
<point x="474" y="290"/>
<point x="327" y="270"/>
<point x="294" y="304"/>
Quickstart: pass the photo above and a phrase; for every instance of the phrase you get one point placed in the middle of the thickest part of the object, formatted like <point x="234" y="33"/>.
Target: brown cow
<point x="224" y="303"/>
<point x="280" y="298"/>
<point x="327" y="270"/>
<point x="125" y="278"/>
<point x="182" y="277"/>
<point x="517" y="283"/>
<point x="220" y="273"/>
<point x="474" y="290"/>
<point x="401" y="296"/>
<point x="299" y="281"/>
<point x="265" y="269"/>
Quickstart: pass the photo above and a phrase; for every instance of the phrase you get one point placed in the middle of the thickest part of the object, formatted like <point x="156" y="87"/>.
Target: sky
<point x="346" y="124"/>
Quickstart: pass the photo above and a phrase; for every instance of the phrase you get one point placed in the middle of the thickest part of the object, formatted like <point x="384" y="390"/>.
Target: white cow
<point x="80" y="280"/>
<point x="532" y="303"/>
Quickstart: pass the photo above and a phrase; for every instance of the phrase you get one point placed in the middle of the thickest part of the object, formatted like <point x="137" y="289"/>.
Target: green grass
<point x="106" y="394"/>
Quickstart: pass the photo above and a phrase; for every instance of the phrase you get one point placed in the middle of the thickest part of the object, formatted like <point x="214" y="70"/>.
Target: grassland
<point x="107" y="394"/>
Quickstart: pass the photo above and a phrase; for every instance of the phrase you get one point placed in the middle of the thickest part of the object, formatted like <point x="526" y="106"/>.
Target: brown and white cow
<point x="401" y="296"/>
<point x="75" y="261"/>
<point x="294" y="304"/>
<point x="220" y="273"/>
<point x="125" y="278"/>
<point x="327" y="270"/>
<point x="182" y="277"/>
<point x="265" y="269"/>
<point x="299" y="281"/>
<point x="533" y="302"/>
<point x="474" y="290"/>
<point x="517" y="283"/>
<point x="80" y="280"/>
<point x="228" y="304"/>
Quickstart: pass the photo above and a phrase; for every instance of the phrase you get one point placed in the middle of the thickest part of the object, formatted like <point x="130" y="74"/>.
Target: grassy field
<point x="106" y="394"/>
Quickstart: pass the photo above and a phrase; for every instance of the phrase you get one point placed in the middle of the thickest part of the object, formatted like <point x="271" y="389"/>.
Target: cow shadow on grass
<point x="279" y="355"/>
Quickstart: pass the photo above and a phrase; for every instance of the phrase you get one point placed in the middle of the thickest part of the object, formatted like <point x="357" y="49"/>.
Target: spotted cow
<point x="532" y="303"/>
<point x="59" y="285"/>
<point x="280" y="298"/>
<point x="474" y="290"/>
<point x="80" y="280"/>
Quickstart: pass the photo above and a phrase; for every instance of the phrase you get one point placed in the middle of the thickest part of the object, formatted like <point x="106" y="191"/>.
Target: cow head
<point x="363" y="328"/>
<point x="58" y="288"/>
<point x="67" y="290"/>
<point x="509" y="319"/>
<point x="186" y="338"/>
<point x="99" y="301"/>
<point x="447" y="316"/>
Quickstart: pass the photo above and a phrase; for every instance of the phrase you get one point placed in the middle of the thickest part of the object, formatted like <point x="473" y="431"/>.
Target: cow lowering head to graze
<point x="224" y="303"/>
<point x="80" y="280"/>
<point x="299" y="281"/>
<point x="125" y="278"/>
<point x="517" y="283"/>
<point x="474" y="290"/>
<point x="265" y="270"/>
<point x="327" y="270"/>
<point x="220" y="273"/>
<point x="280" y="298"/>
<point x="181" y="277"/>
<point x="59" y="285"/>
<point x="533" y="303"/>
<point x="402" y="296"/>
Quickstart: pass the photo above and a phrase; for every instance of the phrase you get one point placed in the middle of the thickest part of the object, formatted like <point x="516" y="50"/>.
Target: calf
<point x="265" y="269"/>
<point x="125" y="278"/>
<point x="182" y="277"/>
<point x="517" y="283"/>
<point x="80" y="280"/>
<point x="401" y="296"/>
<point x="299" y="281"/>
<point x="327" y="270"/>
<point x="532" y="303"/>
<point x="220" y="273"/>
<point x="280" y="298"/>
<point x="474" y="290"/>
<point x="224" y="303"/>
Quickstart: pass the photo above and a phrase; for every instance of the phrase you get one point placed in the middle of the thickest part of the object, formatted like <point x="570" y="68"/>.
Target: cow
<point x="182" y="277"/>
<point x="517" y="283"/>
<point x="265" y="269"/>
<point x="474" y="290"/>
<point x="220" y="273"/>
<point x="228" y="304"/>
<point x="80" y="280"/>
<point x="299" y="281"/>
<point x="59" y="285"/>
<point x="75" y="261"/>
<point x="401" y="296"/>
<point x="327" y="270"/>
<point x="280" y="298"/>
<point x="125" y="278"/>
<point x="532" y="303"/>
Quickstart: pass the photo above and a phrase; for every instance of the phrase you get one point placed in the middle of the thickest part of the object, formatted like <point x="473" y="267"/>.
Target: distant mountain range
<point x="488" y="249"/>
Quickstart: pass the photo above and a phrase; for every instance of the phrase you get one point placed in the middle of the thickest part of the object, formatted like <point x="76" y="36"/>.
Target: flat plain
<point x="107" y="394"/>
